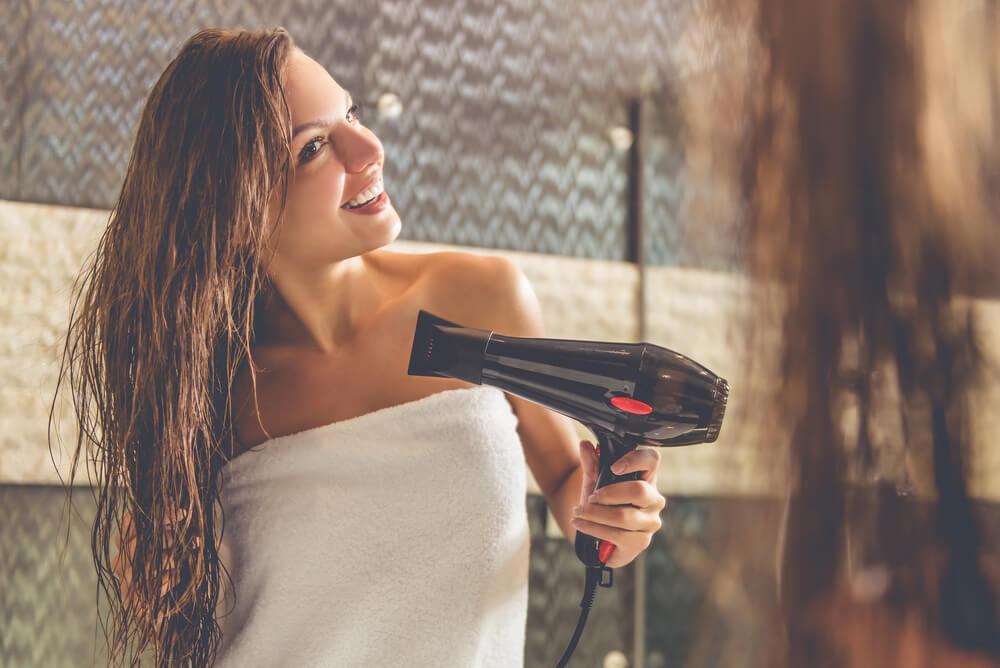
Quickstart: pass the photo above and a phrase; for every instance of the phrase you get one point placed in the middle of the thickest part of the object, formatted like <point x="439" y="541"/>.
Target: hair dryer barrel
<point x="640" y="390"/>
<point x="448" y="350"/>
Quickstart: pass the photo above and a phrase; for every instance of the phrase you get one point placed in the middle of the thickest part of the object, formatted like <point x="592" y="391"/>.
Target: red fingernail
<point x="605" y="551"/>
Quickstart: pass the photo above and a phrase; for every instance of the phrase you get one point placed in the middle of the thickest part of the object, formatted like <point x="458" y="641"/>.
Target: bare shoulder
<point x="493" y="293"/>
<point x="417" y="267"/>
<point x="483" y="291"/>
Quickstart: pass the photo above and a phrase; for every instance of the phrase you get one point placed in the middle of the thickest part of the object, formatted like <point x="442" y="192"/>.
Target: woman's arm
<point x="491" y="292"/>
<point x="123" y="564"/>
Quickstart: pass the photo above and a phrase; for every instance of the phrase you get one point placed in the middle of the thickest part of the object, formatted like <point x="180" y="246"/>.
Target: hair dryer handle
<point x="611" y="449"/>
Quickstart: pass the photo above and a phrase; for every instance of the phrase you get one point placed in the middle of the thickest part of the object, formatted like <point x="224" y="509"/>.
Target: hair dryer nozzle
<point x="719" y="411"/>
<point x="447" y="350"/>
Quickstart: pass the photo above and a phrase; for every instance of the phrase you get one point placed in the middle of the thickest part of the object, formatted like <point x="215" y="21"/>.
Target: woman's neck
<point x="321" y="308"/>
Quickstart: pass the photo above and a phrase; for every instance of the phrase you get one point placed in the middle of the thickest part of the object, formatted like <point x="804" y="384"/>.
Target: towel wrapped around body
<point x="395" y="538"/>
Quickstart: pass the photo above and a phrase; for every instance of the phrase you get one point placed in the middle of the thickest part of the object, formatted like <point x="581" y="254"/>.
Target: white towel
<point x="395" y="538"/>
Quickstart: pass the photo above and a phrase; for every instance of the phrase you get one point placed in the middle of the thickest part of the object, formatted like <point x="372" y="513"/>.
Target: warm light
<point x="389" y="106"/>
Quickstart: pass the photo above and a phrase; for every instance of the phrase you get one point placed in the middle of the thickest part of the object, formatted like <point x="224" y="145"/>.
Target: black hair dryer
<point x="628" y="394"/>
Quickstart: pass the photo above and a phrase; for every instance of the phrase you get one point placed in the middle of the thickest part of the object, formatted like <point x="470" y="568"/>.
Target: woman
<point x="874" y="210"/>
<point x="241" y="295"/>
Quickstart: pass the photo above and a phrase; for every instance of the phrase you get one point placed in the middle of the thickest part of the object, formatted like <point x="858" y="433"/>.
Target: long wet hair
<point x="160" y="325"/>
<point x="871" y="209"/>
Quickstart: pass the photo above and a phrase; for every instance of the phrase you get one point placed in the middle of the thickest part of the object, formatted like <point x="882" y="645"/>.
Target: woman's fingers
<point x="625" y="513"/>
<point x="632" y="542"/>
<point x="644" y="459"/>
<point x="638" y="493"/>
<point x="625" y="518"/>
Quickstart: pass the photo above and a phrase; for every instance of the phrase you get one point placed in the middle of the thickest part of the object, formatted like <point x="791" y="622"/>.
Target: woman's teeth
<point x="366" y="196"/>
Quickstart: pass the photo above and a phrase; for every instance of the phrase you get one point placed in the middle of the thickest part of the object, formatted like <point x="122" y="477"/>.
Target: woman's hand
<point x="631" y="525"/>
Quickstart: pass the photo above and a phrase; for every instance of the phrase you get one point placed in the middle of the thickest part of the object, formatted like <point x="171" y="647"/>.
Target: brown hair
<point x="850" y="216"/>
<point x="161" y="324"/>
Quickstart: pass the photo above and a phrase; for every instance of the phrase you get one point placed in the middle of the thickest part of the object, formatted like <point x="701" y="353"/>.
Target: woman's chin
<point x="381" y="229"/>
<point x="397" y="227"/>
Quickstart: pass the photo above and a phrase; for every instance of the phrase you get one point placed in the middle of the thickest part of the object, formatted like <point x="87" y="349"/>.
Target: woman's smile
<point x="375" y="205"/>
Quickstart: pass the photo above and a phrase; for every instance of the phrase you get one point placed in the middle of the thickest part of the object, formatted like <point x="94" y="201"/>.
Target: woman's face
<point x="337" y="161"/>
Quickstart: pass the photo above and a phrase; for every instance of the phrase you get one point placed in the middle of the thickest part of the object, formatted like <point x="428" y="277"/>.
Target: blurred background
<point x="591" y="141"/>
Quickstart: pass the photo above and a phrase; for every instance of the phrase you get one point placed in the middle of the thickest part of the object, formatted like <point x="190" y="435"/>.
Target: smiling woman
<point x="241" y="296"/>
<point x="337" y="162"/>
<point x="243" y="248"/>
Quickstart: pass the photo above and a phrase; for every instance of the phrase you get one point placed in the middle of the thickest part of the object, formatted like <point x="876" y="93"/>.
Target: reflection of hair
<point x="164" y="323"/>
<point x="852" y="217"/>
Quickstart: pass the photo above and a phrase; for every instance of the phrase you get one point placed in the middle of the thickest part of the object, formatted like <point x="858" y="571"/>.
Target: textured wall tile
<point x="48" y="617"/>
<point x="705" y="315"/>
<point x="694" y="124"/>
<point x="42" y="249"/>
<point x="13" y="85"/>
<point x="702" y="314"/>
<point x="47" y="605"/>
<point x="91" y="66"/>
<point x="496" y="146"/>
<point x="985" y="466"/>
<point x="694" y="597"/>
<point x="696" y="312"/>
<point x="503" y="139"/>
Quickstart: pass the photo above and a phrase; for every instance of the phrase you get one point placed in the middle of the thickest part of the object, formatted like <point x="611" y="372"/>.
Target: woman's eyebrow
<point x="319" y="122"/>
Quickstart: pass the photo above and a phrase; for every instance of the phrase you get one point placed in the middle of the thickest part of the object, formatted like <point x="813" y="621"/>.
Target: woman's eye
<point x="306" y="154"/>
<point x="353" y="116"/>
<point x="354" y="113"/>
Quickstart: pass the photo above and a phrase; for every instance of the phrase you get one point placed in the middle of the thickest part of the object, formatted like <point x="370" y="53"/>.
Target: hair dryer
<point x="628" y="394"/>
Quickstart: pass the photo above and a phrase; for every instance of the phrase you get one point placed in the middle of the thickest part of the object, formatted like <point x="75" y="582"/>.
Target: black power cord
<point x="594" y="578"/>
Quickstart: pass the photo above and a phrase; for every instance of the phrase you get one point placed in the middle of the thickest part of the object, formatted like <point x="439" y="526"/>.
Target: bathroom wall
<point x="505" y="144"/>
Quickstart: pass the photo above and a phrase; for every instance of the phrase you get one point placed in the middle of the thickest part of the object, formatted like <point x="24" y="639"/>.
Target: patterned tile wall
<point x="47" y="617"/>
<point x="693" y="124"/>
<point x="47" y="580"/>
<point x="502" y="143"/>
<point x="47" y="601"/>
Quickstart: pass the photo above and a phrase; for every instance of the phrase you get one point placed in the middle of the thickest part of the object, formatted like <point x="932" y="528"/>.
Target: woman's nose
<point x="358" y="148"/>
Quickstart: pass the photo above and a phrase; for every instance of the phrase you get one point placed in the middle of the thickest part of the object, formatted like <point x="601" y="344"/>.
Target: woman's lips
<point x="374" y="206"/>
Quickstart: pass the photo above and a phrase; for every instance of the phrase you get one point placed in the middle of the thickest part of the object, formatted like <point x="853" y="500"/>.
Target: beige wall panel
<point x="697" y="313"/>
